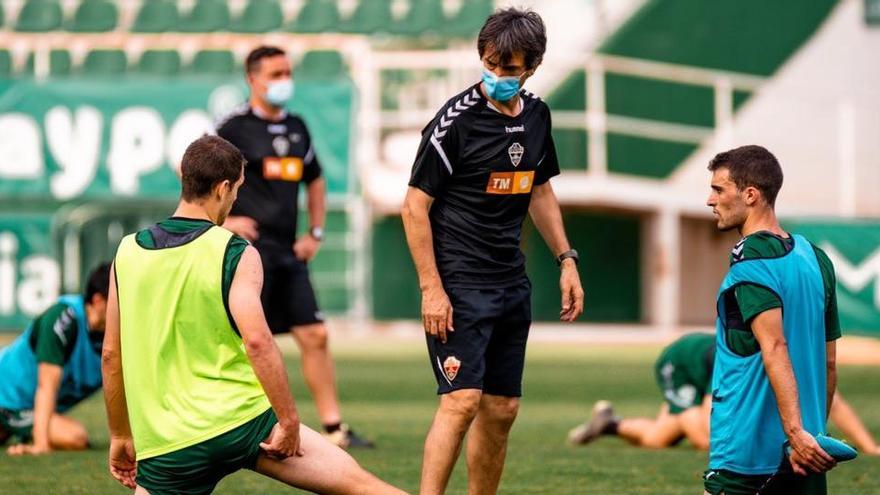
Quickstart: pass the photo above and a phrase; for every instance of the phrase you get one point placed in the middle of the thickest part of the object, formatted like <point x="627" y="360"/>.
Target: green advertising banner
<point x="99" y="139"/>
<point x="854" y="248"/>
<point x="30" y="277"/>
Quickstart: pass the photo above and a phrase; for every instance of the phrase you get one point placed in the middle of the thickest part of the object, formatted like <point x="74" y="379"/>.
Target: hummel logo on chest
<point x="516" y="128"/>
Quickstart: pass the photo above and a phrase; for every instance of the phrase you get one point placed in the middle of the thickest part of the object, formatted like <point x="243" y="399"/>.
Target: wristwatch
<point x="571" y="253"/>
<point x="317" y="233"/>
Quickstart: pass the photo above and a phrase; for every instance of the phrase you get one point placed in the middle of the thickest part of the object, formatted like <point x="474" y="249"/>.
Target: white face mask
<point x="279" y="92"/>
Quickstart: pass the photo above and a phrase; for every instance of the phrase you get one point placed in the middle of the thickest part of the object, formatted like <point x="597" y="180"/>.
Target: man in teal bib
<point x="774" y="373"/>
<point x="52" y="366"/>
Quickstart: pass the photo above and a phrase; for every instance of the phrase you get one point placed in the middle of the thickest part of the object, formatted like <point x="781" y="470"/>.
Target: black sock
<point x="332" y="427"/>
<point x="611" y="429"/>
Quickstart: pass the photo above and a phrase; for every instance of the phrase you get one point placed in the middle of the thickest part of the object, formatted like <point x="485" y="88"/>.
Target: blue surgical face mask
<point x="279" y="92"/>
<point x="500" y="88"/>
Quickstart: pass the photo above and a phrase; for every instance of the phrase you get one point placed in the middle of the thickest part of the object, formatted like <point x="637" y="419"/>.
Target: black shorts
<point x="288" y="297"/>
<point x="488" y="347"/>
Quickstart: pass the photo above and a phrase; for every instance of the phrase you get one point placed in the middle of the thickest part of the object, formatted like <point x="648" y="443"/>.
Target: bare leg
<point x="323" y="468"/>
<point x="141" y="491"/>
<point x="694" y="422"/>
<point x="487" y="442"/>
<point x="443" y="443"/>
<point x="651" y="433"/>
<point x="318" y="370"/>
<point x="844" y="417"/>
<point x="67" y="434"/>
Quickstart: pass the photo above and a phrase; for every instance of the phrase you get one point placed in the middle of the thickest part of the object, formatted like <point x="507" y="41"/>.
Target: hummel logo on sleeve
<point x="446" y="118"/>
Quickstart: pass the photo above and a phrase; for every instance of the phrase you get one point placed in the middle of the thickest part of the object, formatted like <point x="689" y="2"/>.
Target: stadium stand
<point x="39" y="16"/>
<point x="94" y="16"/>
<point x="660" y="32"/>
<point x="368" y="18"/>
<point x="421" y="19"/>
<point x="206" y="16"/>
<point x="5" y="63"/>
<point x="212" y="62"/>
<point x="259" y="16"/>
<point x="169" y="36"/>
<point x="316" y="16"/>
<point x="322" y="64"/>
<point x="469" y="18"/>
<point x="59" y="63"/>
<point x="104" y="63"/>
<point x="159" y="63"/>
<point x="156" y="16"/>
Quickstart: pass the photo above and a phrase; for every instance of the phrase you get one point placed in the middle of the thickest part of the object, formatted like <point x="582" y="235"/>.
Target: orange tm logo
<point x="287" y="168"/>
<point x="510" y="182"/>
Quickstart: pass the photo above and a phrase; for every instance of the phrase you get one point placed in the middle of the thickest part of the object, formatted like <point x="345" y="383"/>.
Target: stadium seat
<point x="5" y="64"/>
<point x="104" y="63"/>
<point x="159" y="62"/>
<point x="469" y="19"/>
<point x="318" y="16"/>
<point x="321" y="64"/>
<point x="424" y="17"/>
<point x="259" y="16"/>
<point x="94" y="16"/>
<point x="59" y="63"/>
<point x="39" y="15"/>
<point x="213" y="62"/>
<point x="206" y="16"/>
<point x="156" y="16"/>
<point x="370" y="17"/>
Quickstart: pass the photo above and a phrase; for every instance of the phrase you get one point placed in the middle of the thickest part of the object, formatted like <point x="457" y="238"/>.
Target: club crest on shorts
<point x="451" y="367"/>
<point x="515" y="151"/>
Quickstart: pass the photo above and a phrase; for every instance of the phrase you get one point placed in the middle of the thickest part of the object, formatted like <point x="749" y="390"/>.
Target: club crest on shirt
<point x="515" y="151"/>
<point x="281" y="145"/>
<point x="451" y="367"/>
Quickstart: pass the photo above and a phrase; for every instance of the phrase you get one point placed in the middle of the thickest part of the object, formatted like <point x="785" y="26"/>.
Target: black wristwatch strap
<point x="571" y="253"/>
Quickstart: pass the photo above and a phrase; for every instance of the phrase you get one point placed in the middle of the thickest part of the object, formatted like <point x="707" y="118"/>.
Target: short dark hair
<point x="252" y="62"/>
<point x="509" y="31"/>
<point x="207" y="161"/>
<point x="98" y="282"/>
<point x="751" y="166"/>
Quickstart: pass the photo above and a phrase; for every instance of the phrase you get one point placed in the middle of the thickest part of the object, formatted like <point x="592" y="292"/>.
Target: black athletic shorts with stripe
<point x="488" y="347"/>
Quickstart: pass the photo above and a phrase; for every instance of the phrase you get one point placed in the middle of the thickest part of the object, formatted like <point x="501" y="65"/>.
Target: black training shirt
<point x="279" y="156"/>
<point x="480" y="166"/>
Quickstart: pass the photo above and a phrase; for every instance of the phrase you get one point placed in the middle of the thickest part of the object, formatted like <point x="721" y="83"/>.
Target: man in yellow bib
<point x="195" y="386"/>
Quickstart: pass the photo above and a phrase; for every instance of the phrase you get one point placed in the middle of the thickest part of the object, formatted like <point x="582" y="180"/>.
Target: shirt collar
<point x="262" y="115"/>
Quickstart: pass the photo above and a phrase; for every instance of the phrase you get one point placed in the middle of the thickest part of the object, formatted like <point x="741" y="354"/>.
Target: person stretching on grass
<point x="196" y="388"/>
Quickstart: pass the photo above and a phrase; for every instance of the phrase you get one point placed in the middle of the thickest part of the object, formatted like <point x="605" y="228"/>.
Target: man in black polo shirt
<point x="484" y="162"/>
<point x="280" y="155"/>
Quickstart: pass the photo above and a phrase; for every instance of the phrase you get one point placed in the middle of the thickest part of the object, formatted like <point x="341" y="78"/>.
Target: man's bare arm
<point x="48" y="383"/>
<point x="436" y="308"/>
<point x="265" y="357"/>
<point x="830" y="375"/>
<point x="547" y="217"/>
<point x="122" y="459"/>
<point x="317" y="202"/>
<point x="806" y="453"/>
<point x="111" y="367"/>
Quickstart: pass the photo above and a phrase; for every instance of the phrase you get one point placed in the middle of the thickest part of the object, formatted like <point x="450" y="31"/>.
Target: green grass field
<point x="388" y="394"/>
